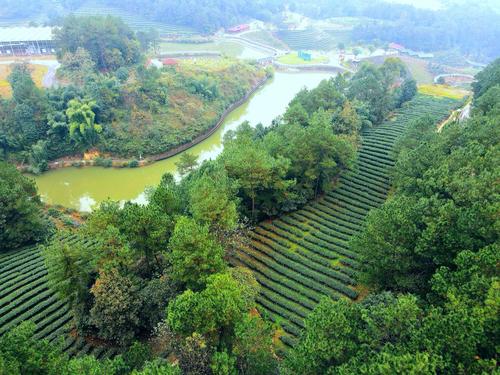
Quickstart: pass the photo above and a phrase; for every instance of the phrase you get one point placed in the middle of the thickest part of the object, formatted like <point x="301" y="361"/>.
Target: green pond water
<point x="83" y="188"/>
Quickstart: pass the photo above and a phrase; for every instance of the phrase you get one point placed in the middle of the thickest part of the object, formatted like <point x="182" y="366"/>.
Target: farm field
<point x="38" y="72"/>
<point x="294" y="59"/>
<point x="443" y="91"/>
<point x="305" y="255"/>
<point x="25" y="295"/>
<point x="229" y="48"/>
<point x="265" y="37"/>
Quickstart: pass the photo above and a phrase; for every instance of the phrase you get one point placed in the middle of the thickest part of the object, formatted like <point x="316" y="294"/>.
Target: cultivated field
<point x="309" y="39"/>
<point x="305" y="255"/>
<point x="294" y="59"/>
<point x="443" y="91"/>
<point x="133" y="20"/>
<point x="25" y="295"/>
<point x="265" y="37"/>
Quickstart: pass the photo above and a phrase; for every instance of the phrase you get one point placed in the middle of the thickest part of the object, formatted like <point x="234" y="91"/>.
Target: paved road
<point x="49" y="79"/>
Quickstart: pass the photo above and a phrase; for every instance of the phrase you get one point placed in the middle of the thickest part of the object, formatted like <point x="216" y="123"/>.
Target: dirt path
<point x="460" y="114"/>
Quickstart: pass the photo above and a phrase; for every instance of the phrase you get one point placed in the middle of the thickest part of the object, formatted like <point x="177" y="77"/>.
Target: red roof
<point x="237" y="29"/>
<point x="169" y="62"/>
<point x="396" y="46"/>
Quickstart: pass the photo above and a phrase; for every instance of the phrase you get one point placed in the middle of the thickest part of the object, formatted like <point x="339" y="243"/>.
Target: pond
<point x="83" y="188"/>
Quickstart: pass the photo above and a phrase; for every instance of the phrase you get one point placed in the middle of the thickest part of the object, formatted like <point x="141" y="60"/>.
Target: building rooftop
<point x="25" y="34"/>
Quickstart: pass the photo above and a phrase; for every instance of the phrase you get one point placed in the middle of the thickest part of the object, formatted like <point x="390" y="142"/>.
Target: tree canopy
<point x="21" y="217"/>
<point x="430" y="258"/>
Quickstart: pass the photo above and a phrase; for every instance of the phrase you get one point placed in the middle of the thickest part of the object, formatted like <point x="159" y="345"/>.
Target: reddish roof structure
<point x="239" y="28"/>
<point x="169" y="62"/>
<point x="396" y="46"/>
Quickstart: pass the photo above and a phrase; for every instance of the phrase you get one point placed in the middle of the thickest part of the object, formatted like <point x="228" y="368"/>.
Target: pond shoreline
<point x="72" y="161"/>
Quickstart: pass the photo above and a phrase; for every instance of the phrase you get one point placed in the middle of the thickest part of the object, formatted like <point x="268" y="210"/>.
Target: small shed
<point x="396" y="46"/>
<point x="239" y="28"/>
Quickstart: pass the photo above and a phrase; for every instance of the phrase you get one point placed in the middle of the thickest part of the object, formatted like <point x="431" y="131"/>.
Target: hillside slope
<point x="297" y="259"/>
<point x="305" y="255"/>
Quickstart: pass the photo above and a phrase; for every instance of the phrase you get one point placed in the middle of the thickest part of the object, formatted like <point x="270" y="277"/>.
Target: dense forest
<point x="111" y="102"/>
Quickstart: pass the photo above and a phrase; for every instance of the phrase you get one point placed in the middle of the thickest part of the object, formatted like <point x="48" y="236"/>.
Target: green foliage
<point x="118" y="290"/>
<point x="329" y="339"/>
<point x="387" y="333"/>
<point x="20" y="353"/>
<point x="167" y="196"/>
<point x="70" y="272"/>
<point x="77" y="66"/>
<point x="110" y="43"/>
<point x="253" y="346"/>
<point x="223" y="364"/>
<point x="82" y="127"/>
<point x="158" y="367"/>
<point x="21" y="220"/>
<point x="22" y="118"/>
<point x="256" y="171"/>
<point x="195" y="253"/>
<point x="435" y="212"/>
<point x="126" y="113"/>
<point x="489" y="102"/>
<point x="137" y="355"/>
<point x="187" y="163"/>
<point x="213" y="200"/>
<point x="103" y="162"/>
<point x="91" y="366"/>
<point x="487" y="78"/>
<point x="315" y="153"/>
<point x="372" y="85"/>
<point x="213" y="311"/>
<point x="437" y="237"/>
<point x="408" y="91"/>
<point x="116" y="306"/>
<point x="347" y="121"/>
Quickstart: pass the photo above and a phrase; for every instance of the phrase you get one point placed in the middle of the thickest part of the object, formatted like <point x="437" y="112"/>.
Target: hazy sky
<point x="428" y="4"/>
<point x="437" y="4"/>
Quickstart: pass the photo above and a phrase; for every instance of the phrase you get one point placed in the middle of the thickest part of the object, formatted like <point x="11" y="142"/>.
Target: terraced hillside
<point x="305" y="255"/>
<point x="309" y="39"/>
<point x="135" y="21"/>
<point x="25" y="295"/>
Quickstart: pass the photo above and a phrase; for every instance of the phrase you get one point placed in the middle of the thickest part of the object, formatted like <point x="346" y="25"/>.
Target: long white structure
<point x="23" y="41"/>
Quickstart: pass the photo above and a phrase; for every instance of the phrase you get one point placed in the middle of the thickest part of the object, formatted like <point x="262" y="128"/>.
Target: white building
<point x="25" y="41"/>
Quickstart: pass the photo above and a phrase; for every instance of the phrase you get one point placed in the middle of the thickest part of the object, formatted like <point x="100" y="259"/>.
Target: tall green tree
<point x="110" y="42"/>
<point x="21" y="218"/>
<point x="187" y="163"/>
<point x="195" y="254"/>
<point x="82" y="127"/>
<point x="256" y="171"/>
<point x="212" y="200"/>
<point x="116" y="307"/>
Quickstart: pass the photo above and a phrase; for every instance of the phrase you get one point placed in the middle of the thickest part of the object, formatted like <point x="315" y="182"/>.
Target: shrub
<point x="103" y="162"/>
<point x="133" y="163"/>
